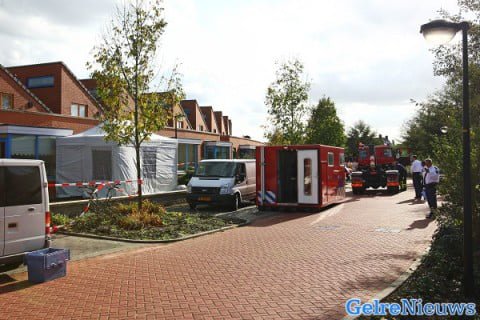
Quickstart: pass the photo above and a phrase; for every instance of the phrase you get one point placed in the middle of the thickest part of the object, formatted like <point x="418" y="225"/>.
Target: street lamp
<point x="176" y="118"/>
<point x="440" y="32"/>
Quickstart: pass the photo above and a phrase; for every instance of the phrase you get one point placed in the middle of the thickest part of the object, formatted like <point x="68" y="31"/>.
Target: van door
<point x="251" y="179"/>
<point x="2" y="211"/>
<point x="24" y="227"/>
<point x="307" y="162"/>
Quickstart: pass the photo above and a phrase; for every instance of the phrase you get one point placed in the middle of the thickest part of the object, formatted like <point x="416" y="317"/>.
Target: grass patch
<point x="153" y="222"/>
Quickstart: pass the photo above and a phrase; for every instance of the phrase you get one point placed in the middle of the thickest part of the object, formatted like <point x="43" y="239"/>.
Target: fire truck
<point x="376" y="169"/>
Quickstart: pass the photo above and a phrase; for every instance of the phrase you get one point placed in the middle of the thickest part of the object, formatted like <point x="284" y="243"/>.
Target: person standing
<point x="417" y="170"/>
<point x="431" y="178"/>
<point x="402" y="175"/>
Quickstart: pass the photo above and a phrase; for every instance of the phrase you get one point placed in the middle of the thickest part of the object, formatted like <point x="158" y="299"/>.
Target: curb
<point x="395" y="284"/>
<point x="196" y="235"/>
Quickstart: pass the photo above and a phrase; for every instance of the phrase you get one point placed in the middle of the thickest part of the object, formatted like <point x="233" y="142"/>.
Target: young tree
<point x="324" y="126"/>
<point x="286" y="100"/>
<point x="124" y="69"/>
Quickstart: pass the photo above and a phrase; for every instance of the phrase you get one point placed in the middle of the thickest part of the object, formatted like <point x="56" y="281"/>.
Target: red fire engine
<point x="376" y="169"/>
<point x="307" y="176"/>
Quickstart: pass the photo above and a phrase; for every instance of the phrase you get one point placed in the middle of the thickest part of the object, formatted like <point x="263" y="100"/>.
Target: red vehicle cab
<point x="306" y="176"/>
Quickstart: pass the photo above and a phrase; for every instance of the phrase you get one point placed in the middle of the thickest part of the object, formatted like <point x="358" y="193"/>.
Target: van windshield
<point x="216" y="169"/>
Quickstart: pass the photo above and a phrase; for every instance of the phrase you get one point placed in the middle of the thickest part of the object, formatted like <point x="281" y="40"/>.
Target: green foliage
<point x="324" y="126"/>
<point x="360" y="132"/>
<point x="152" y="221"/>
<point x="59" y="219"/>
<point x="124" y="69"/>
<point x="286" y="100"/>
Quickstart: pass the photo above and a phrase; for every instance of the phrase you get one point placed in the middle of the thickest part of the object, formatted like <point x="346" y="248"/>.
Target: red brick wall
<point x="37" y="119"/>
<point x="221" y="126"/>
<point x="51" y="97"/>
<point x="73" y="93"/>
<point x="210" y="117"/>
<point x="194" y="114"/>
<point x="64" y="92"/>
<point x="20" y="97"/>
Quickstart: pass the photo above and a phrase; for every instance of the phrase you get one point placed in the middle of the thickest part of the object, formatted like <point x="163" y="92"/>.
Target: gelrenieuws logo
<point x="408" y="307"/>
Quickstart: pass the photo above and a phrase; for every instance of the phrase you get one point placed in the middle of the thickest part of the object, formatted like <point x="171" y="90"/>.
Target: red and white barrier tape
<point x="93" y="183"/>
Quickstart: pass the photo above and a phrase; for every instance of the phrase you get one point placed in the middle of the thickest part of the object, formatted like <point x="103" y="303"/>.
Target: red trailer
<point x="308" y="176"/>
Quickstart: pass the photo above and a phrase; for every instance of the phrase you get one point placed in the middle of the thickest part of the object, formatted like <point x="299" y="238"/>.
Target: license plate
<point x="204" y="198"/>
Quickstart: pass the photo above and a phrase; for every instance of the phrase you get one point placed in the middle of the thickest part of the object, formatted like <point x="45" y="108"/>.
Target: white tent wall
<point x="75" y="162"/>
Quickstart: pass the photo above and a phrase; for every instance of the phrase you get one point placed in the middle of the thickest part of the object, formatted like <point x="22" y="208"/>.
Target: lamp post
<point x="176" y="118"/>
<point x="440" y="32"/>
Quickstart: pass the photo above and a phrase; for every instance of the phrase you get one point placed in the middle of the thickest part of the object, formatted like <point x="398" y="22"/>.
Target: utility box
<point x="47" y="264"/>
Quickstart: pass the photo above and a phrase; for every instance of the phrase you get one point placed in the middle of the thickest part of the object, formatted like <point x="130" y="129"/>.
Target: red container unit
<point x="310" y="176"/>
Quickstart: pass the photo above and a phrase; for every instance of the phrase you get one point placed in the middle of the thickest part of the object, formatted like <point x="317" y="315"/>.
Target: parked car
<point x="24" y="209"/>
<point x="222" y="182"/>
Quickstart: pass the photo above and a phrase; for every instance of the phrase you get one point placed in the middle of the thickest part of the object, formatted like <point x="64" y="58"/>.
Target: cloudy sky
<point x="367" y="55"/>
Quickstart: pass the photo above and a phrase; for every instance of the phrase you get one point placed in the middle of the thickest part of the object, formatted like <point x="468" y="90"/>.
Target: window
<point x="217" y="152"/>
<point x="23" y="147"/>
<point x="149" y="162"/>
<point x="246" y="153"/>
<point x="307" y="177"/>
<point x="40" y="82"/>
<point x="7" y="101"/>
<point x="24" y="185"/>
<point x="101" y="165"/>
<point x="330" y="158"/>
<point x="387" y="152"/>
<point x="342" y="159"/>
<point x="78" y="110"/>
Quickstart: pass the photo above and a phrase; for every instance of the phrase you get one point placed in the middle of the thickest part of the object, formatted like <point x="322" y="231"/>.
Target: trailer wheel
<point x="236" y="202"/>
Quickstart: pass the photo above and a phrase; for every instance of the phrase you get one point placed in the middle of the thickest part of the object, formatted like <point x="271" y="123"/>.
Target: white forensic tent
<point x="89" y="157"/>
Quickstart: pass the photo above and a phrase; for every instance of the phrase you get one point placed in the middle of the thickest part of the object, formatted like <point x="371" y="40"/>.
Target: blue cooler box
<point x="47" y="264"/>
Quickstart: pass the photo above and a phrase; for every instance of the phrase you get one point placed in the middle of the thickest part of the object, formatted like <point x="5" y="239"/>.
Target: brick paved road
<point x="289" y="266"/>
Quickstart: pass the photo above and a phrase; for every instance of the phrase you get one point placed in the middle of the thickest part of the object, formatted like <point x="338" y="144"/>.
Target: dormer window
<point x="40" y="82"/>
<point x="78" y="110"/>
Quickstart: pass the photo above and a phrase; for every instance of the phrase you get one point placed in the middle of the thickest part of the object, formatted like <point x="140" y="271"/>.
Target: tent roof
<point x="97" y="133"/>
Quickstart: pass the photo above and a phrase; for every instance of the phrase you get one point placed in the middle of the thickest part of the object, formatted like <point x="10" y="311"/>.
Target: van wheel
<point x="236" y="202"/>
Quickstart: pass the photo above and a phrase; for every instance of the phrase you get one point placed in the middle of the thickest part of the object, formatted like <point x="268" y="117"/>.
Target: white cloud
<point x="368" y="55"/>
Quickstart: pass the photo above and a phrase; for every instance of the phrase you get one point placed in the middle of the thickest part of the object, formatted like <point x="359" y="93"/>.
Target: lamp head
<point x="440" y="31"/>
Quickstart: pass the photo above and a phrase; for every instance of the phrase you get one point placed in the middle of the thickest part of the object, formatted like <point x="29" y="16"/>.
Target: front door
<point x="287" y="176"/>
<point x="307" y="163"/>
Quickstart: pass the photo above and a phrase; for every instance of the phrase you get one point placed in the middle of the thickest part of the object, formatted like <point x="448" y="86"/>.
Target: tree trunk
<point x="139" y="177"/>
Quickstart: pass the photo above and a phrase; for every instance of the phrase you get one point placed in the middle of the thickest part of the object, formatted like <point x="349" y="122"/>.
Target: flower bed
<point x="153" y="222"/>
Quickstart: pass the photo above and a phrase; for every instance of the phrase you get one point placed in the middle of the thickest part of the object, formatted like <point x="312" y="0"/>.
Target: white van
<point x="24" y="209"/>
<point x="222" y="182"/>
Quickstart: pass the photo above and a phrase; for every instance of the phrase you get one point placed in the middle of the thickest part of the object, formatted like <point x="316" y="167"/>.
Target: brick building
<point x="40" y="102"/>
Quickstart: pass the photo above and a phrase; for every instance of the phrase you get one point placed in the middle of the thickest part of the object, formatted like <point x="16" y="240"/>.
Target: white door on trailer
<point x="307" y="162"/>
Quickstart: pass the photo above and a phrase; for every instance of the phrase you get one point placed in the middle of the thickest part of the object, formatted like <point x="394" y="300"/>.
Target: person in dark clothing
<point x="402" y="175"/>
